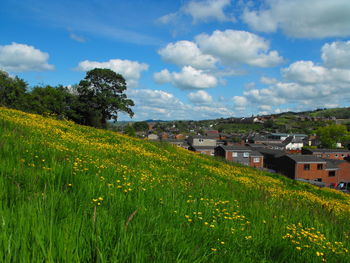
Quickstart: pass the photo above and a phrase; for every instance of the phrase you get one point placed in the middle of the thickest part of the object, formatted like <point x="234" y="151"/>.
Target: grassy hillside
<point x="76" y="194"/>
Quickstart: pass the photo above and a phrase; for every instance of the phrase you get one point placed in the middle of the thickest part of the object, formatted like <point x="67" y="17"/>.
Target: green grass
<point x="77" y="194"/>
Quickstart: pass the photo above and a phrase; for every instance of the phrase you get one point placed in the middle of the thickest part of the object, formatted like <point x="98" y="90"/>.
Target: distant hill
<point x="72" y="193"/>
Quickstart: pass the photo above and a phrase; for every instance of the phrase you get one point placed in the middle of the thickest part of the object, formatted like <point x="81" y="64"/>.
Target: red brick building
<point x="240" y="154"/>
<point x="338" y="154"/>
<point x="310" y="167"/>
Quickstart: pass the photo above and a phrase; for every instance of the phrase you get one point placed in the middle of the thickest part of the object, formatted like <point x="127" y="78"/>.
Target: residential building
<point x="199" y="140"/>
<point x="240" y="154"/>
<point x="313" y="168"/>
<point x="208" y="150"/>
<point x="339" y="154"/>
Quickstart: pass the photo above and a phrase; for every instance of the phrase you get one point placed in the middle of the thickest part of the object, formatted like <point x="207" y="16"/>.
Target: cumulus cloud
<point x="239" y="47"/>
<point x="186" y="53"/>
<point x="200" y="97"/>
<point x="300" y="18"/>
<point x="187" y="78"/>
<point x="336" y="55"/>
<point x="269" y="81"/>
<point x="208" y="10"/>
<point x="201" y="11"/>
<point x="158" y="104"/>
<point x="21" y="57"/>
<point x="305" y="72"/>
<point x="305" y="85"/>
<point x="130" y="70"/>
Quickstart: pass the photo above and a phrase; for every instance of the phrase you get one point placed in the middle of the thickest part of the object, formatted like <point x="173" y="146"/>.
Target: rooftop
<point x="303" y="158"/>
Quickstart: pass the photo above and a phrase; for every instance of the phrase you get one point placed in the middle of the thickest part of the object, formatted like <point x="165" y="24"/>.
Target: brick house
<point x="311" y="167"/>
<point x="240" y="154"/>
<point x="337" y="171"/>
<point x="338" y="154"/>
<point x="307" y="167"/>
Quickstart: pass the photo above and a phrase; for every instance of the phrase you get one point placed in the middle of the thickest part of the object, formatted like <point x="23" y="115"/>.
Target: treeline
<point x="95" y="100"/>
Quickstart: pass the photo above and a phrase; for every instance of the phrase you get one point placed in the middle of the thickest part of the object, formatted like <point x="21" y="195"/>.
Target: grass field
<point x="71" y="193"/>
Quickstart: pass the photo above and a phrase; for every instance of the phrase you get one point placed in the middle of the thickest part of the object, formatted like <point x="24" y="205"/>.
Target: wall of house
<point x="311" y="174"/>
<point x="344" y="172"/>
<point x="336" y="156"/>
<point x="203" y="142"/>
<point x="259" y="164"/>
<point x="284" y="165"/>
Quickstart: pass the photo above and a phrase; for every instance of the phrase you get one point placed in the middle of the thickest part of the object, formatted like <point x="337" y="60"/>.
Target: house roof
<point x="203" y="147"/>
<point x="201" y="137"/>
<point x="333" y="164"/>
<point x="256" y="154"/>
<point x="329" y="150"/>
<point x="304" y="158"/>
<point x="275" y="153"/>
<point x="236" y="148"/>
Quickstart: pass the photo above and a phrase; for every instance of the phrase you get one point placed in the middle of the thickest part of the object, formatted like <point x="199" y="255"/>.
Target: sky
<point x="187" y="59"/>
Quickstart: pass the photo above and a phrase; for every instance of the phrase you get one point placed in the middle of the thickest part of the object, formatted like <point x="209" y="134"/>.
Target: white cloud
<point x="208" y="10"/>
<point x="305" y="72"/>
<point x="158" y="104"/>
<point x="336" y="54"/>
<point x="77" y="38"/>
<point x="300" y="18"/>
<point x="186" y="53"/>
<point x="268" y="81"/>
<point x="200" y="97"/>
<point x="265" y="108"/>
<point x="240" y="101"/>
<point x="21" y="57"/>
<point x="200" y="11"/>
<point x="187" y="78"/>
<point x="162" y="77"/>
<point x="130" y="70"/>
<point x="239" y="47"/>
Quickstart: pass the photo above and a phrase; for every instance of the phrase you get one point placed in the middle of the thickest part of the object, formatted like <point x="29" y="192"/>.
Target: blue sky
<point x="189" y="59"/>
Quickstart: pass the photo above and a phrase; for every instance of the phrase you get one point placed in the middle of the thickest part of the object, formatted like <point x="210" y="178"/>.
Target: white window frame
<point x="256" y="160"/>
<point x="246" y="154"/>
<point x="234" y="154"/>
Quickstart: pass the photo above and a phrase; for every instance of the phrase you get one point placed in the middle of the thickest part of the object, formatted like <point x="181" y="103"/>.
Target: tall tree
<point x="101" y="97"/>
<point x="12" y="91"/>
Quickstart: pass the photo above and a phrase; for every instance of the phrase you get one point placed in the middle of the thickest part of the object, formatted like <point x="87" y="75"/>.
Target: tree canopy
<point x="332" y="134"/>
<point x="101" y="97"/>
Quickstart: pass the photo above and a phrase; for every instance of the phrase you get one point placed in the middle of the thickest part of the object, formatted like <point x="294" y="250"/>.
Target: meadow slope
<point x="72" y="193"/>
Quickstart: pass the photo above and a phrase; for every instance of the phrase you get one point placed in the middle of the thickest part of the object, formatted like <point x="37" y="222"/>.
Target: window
<point x="256" y="160"/>
<point x="245" y="154"/>
<point x="306" y="167"/>
<point x="331" y="173"/>
<point x="318" y="179"/>
<point x="336" y="155"/>
<point x="234" y="154"/>
<point x="201" y="140"/>
<point x="342" y="155"/>
<point x="319" y="166"/>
